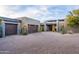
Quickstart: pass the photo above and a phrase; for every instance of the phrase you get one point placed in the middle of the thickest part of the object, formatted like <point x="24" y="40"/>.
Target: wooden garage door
<point x="32" y="28"/>
<point x="10" y="29"/>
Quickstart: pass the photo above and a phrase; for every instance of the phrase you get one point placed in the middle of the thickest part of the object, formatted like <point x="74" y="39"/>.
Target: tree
<point x="73" y="21"/>
<point x="71" y="13"/>
<point x="73" y="18"/>
<point x="76" y="12"/>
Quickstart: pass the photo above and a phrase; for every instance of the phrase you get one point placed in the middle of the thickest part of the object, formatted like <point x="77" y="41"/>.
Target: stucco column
<point x="57" y="27"/>
<point x="45" y="27"/>
<point x="18" y="29"/>
<point x="3" y="28"/>
<point x="38" y="28"/>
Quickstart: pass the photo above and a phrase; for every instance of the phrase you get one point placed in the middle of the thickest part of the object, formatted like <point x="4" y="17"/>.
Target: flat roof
<point x="21" y="18"/>
<point x="9" y="19"/>
<point x="55" y="20"/>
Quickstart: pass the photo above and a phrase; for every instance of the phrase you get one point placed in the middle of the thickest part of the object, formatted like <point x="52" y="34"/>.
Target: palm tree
<point x="71" y="14"/>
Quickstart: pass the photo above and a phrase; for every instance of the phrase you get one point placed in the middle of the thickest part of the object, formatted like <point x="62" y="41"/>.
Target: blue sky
<point x="39" y="12"/>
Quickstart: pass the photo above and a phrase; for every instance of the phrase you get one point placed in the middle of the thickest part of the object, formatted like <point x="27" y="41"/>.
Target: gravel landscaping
<point x="40" y="43"/>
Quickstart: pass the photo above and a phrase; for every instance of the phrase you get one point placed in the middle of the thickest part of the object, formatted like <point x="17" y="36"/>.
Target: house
<point x="30" y="24"/>
<point x="9" y="26"/>
<point x="53" y="25"/>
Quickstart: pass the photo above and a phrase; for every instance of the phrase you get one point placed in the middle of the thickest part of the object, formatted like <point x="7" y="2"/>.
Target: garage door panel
<point x="10" y="29"/>
<point x="32" y="28"/>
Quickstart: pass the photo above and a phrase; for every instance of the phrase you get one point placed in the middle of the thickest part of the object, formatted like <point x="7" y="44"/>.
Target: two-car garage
<point x="10" y="26"/>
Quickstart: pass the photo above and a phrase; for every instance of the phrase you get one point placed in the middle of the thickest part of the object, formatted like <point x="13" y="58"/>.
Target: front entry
<point x="51" y="27"/>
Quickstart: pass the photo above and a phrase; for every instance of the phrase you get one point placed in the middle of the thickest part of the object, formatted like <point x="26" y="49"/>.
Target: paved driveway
<point x="39" y="43"/>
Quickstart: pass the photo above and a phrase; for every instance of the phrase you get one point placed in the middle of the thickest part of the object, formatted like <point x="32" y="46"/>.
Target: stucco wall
<point x="61" y="23"/>
<point x="29" y="21"/>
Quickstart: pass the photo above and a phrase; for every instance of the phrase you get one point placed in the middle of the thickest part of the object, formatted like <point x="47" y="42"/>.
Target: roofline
<point x="55" y="20"/>
<point x="9" y="19"/>
<point x="28" y="18"/>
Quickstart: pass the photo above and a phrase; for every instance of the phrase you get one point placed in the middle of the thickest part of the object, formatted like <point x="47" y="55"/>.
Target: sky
<point x="38" y="12"/>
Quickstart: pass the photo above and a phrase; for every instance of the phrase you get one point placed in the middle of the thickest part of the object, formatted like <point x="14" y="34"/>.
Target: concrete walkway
<point x="40" y="43"/>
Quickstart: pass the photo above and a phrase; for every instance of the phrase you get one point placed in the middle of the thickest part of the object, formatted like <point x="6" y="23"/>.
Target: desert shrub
<point x="41" y="28"/>
<point x="63" y="30"/>
<point x="24" y="30"/>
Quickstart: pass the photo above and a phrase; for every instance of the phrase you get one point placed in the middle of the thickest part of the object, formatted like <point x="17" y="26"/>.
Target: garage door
<point x="32" y="28"/>
<point x="10" y="29"/>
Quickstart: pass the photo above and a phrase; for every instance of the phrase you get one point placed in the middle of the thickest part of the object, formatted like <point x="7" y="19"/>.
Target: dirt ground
<point x="40" y="43"/>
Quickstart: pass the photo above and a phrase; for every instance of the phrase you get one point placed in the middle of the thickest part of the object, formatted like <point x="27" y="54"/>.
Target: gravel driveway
<point x="40" y="43"/>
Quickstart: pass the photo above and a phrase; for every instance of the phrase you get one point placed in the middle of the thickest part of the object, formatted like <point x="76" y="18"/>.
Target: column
<point x="18" y="29"/>
<point x="57" y="27"/>
<point x="53" y="28"/>
<point x="3" y="29"/>
<point x="45" y="27"/>
<point x="39" y="28"/>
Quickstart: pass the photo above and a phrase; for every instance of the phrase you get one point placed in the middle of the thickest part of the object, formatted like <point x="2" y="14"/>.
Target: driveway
<point x="40" y="43"/>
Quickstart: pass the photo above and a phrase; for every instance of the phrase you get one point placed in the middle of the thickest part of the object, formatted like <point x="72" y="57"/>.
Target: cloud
<point x="3" y="10"/>
<point x="36" y="12"/>
<point x="39" y="12"/>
